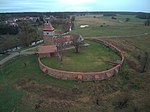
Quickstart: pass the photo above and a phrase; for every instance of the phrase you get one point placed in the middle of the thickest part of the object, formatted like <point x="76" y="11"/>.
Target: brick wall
<point x="85" y="76"/>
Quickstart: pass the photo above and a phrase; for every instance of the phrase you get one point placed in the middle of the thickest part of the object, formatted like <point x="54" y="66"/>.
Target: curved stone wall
<point x="86" y="76"/>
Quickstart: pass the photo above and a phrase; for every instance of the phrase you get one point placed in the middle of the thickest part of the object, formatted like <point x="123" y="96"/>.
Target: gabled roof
<point x="48" y="27"/>
<point x="47" y="49"/>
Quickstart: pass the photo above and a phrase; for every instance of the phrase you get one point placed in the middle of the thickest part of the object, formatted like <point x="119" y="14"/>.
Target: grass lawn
<point x="27" y="66"/>
<point x="24" y="68"/>
<point x="90" y="59"/>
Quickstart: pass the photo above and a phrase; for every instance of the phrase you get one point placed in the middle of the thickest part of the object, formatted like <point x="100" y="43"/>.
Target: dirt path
<point x="128" y="36"/>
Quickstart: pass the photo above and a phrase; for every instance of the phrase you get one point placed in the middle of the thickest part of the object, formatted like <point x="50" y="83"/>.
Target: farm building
<point x="47" y="51"/>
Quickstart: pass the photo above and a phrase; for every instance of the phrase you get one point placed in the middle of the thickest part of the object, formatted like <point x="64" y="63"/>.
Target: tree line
<point x="8" y="29"/>
<point x="8" y="42"/>
<point x="26" y="34"/>
<point x="143" y="15"/>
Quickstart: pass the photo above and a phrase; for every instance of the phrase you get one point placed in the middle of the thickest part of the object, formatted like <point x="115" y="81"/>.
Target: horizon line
<point x="73" y="11"/>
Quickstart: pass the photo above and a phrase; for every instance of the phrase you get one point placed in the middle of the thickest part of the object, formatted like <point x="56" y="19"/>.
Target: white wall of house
<point x="48" y="33"/>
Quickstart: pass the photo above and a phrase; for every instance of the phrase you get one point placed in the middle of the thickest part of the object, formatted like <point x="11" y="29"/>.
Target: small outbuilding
<point x="47" y="51"/>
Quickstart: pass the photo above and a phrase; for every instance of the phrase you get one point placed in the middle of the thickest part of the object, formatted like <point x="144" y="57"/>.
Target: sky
<point x="74" y="5"/>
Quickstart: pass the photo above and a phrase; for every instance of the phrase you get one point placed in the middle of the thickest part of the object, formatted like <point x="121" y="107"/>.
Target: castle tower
<point x="48" y="33"/>
<point x="48" y="30"/>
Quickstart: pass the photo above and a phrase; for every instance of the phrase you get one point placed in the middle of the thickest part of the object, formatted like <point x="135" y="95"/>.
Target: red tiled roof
<point x="48" y="27"/>
<point x="67" y="38"/>
<point x="47" y="49"/>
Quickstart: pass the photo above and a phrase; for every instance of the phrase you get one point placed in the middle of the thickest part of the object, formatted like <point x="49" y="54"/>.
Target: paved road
<point x="9" y="58"/>
<point x="13" y="55"/>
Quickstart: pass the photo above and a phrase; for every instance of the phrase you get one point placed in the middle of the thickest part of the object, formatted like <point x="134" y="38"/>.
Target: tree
<point x="8" y="29"/>
<point x="7" y="42"/>
<point x="147" y="22"/>
<point x="72" y="25"/>
<point x="113" y="17"/>
<point x="3" y="17"/>
<point x="66" y="26"/>
<point x="143" y="15"/>
<point x="127" y="19"/>
<point x="13" y="30"/>
<point x="27" y="34"/>
<point x="59" y="45"/>
<point x="72" y="22"/>
<point x="72" y="18"/>
<point x="77" y="41"/>
<point x="39" y="22"/>
<point x="3" y="29"/>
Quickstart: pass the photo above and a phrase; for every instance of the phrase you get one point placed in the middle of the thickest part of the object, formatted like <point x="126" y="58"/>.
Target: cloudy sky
<point x="74" y="5"/>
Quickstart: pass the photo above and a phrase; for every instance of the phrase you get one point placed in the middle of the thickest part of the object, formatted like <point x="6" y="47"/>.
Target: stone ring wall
<point x="86" y="76"/>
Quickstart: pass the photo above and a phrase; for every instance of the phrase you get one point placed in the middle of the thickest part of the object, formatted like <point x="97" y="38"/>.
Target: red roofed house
<point x="47" y="51"/>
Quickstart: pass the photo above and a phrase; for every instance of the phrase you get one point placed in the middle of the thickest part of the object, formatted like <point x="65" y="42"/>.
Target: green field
<point x="105" y="26"/>
<point x="93" y="58"/>
<point x="132" y="18"/>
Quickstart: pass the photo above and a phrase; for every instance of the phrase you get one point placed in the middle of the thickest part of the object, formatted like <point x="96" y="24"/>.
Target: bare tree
<point x="77" y="42"/>
<point x="59" y="45"/>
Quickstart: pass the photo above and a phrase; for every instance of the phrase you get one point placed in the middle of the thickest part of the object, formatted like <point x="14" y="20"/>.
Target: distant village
<point x="16" y="26"/>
